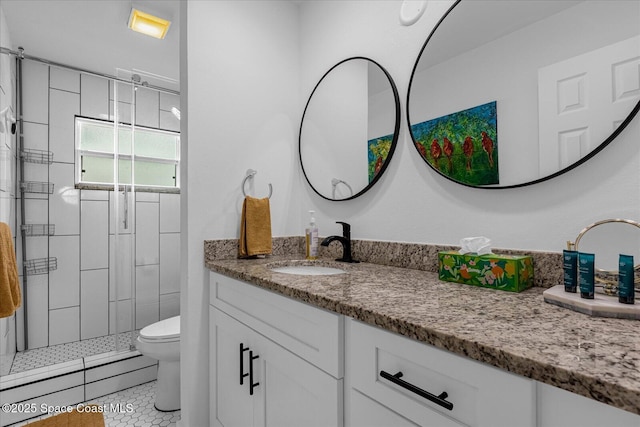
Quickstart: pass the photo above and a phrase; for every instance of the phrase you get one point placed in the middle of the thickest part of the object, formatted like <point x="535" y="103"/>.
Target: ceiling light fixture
<point x="148" y="24"/>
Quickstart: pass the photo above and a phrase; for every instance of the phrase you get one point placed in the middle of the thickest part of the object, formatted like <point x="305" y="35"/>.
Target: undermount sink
<point x="308" y="270"/>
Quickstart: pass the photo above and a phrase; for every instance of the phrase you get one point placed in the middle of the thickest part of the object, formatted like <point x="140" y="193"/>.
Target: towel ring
<point x="250" y="174"/>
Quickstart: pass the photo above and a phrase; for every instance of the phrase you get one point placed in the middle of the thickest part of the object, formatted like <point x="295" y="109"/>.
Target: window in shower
<point x="156" y="158"/>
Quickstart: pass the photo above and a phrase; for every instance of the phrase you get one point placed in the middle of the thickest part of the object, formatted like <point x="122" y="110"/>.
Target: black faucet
<point x="345" y="239"/>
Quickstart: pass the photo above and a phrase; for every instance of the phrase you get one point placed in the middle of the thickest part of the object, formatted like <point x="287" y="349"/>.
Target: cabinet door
<point x="231" y="403"/>
<point x="366" y="412"/>
<point x="560" y="408"/>
<point x="288" y="390"/>
<point x="295" y="393"/>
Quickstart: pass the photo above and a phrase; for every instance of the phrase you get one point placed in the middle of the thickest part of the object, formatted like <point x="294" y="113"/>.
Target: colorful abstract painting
<point x="462" y="145"/>
<point x="378" y="150"/>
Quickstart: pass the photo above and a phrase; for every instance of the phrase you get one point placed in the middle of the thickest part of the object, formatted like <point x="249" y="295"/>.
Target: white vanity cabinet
<point x="409" y="383"/>
<point x="274" y="361"/>
<point x="560" y="408"/>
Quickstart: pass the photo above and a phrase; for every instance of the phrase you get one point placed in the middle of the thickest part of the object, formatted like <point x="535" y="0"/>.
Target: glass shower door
<point x="123" y="195"/>
<point x="146" y="161"/>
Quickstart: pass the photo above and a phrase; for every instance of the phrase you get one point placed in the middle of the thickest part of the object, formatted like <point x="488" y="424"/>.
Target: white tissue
<point x="479" y="245"/>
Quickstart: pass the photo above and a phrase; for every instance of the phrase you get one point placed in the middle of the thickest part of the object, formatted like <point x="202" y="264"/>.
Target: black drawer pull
<point x="438" y="400"/>
<point x="252" y="385"/>
<point x="242" y="374"/>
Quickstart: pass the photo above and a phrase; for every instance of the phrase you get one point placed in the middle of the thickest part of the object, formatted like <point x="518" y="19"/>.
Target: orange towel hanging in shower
<point x="10" y="298"/>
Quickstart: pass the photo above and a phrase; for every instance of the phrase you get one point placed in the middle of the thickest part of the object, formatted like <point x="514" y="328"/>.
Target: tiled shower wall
<point x="7" y="185"/>
<point x="78" y="299"/>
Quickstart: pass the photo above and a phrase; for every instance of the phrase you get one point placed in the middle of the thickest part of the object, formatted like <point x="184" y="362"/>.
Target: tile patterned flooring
<point x="136" y="403"/>
<point x="137" y="409"/>
<point x="45" y="356"/>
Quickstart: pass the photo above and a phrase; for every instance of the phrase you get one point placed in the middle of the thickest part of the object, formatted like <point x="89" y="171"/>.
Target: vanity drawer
<point x="481" y="395"/>
<point x="314" y="334"/>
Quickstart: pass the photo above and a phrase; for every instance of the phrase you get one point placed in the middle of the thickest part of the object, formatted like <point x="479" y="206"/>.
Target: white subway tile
<point x="63" y="108"/>
<point x="168" y="100"/>
<point x="124" y="112"/>
<point x="70" y="396"/>
<point x="36" y="211"/>
<point x="94" y="195"/>
<point x="169" y="305"/>
<point x="6" y="202"/>
<point x="147" y="295"/>
<point x="110" y="357"/>
<point x="64" y="282"/>
<point x="6" y="81"/>
<point x="37" y="247"/>
<point x="64" y="204"/>
<point x="35" y="92"/>
<point x="38" y="310"/>
<point x="168" y="121"/>
<point x="94" y="97"/>
<point x="59" y="380"/>
<point x="120" y="382"/>
<point x="147" y="107"/>
<point x="124" y="92"/>
<point x="94" y="235"/>
<point x="94" y="303"/>
<point x="64" y="80"/>
<point x="169" y="213"/>
<point x="64" y="325"/>
<point x="147" y="231"/>
<point x="119" y="367"/>
<point x="143" y="196"/>
<point x="120" y="266"/>
<point x="36" y="172"/>
<point x="120" y="316"/>
<point x="169" y="263"/>
<point x="36" y="136"/>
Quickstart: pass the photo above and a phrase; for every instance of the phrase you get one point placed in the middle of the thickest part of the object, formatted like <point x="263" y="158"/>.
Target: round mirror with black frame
<point x="506" y="94"/>
<point x="349" y="129"/>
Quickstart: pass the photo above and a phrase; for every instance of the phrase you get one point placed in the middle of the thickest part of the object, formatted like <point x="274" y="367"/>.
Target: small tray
<point x="600" y="306"/>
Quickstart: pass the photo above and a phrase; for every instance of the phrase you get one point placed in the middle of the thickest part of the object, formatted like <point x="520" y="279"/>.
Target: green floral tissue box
<point x="506" y="272"/>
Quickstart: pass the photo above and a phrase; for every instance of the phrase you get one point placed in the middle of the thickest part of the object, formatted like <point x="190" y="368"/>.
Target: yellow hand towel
<point x="255" y="228"/>
<point x="10" y="298"/>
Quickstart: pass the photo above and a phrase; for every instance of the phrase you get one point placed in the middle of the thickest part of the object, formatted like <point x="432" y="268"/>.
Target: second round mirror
<point x="510" y="93"/>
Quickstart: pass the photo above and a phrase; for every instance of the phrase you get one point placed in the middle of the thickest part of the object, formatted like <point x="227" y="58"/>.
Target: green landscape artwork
<point x="462" y="145"/>
<point x="377" y="152"/>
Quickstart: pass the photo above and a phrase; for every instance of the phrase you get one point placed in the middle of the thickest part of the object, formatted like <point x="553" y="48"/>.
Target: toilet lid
<point x="163" y="330"/>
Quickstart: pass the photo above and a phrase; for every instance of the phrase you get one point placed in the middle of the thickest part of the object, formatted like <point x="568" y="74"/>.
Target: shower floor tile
<point x="136" y="409"/>
<point x="45" y="356"/>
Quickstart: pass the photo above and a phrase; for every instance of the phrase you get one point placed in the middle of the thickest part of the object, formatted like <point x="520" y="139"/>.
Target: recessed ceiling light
<point x="148" y="24"/>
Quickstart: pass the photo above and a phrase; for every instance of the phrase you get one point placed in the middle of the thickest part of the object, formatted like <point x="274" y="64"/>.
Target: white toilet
<point x="161" y="340"/>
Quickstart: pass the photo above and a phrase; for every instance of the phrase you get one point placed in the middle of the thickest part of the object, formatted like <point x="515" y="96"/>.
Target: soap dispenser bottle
<point x="311" y="234"/>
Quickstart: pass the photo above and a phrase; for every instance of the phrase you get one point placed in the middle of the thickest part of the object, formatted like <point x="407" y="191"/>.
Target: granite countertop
<point x="594" y="357"/>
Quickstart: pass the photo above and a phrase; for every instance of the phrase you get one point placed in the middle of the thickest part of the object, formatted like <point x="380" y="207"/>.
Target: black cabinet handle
<point x="438" y="400"/>
<point x="242" y="374"/>
<point x="252" y="385"/>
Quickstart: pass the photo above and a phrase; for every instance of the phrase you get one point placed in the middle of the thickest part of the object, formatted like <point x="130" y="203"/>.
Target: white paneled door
<point x="582" y="100"/>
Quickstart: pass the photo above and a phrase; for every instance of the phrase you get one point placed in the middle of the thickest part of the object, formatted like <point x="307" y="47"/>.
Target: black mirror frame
<point x="595" y="151"/>
<point x="394" y="142"/>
